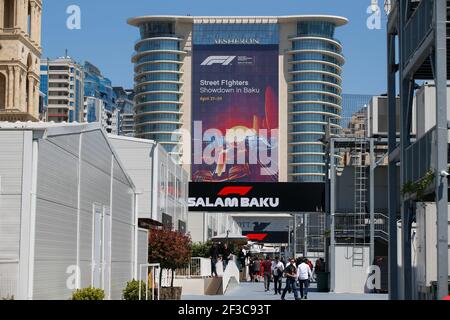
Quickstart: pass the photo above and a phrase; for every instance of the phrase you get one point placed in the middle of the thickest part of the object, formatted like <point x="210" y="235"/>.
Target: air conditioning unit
<point x="377" y="120"/>
<point x="426" y="108"/>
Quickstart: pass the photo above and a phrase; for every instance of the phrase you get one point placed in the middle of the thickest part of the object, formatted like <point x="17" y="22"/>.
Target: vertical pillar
<point x="2" y="13"/>
<point x="16" y="104"/>
<point x="10" y="87"/>
<point x="23" y="89"/>
<point x="406" y="95"/>
<point x="30" y="94"/>
<point x="441" y="147"/>
<point x="35" y="112"/>
<point x="39" y="25"/>
<point x="406" y="92"/>
<point x="332" y="261"/>
<point x="392" y="171"/>
<point x="23" y="14"/>
<point x="33" y="21"/>
<point x="372" y="200"/>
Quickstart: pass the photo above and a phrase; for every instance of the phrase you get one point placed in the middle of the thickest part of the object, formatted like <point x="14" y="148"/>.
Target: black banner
<point x="256" y="197"/>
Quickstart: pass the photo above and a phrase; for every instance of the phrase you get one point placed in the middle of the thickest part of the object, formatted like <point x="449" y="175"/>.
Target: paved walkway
<point x="255" y="291"/>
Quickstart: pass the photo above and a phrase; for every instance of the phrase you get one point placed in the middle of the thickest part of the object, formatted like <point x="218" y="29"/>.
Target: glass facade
<point x="352" y="103"/>
<point x="236" y="33"/>
<point x="315" y="97"/>
<point x="158" y="61"/>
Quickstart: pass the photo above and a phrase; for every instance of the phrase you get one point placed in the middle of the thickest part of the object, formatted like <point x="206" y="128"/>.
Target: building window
<point x="8" y="14"/>
<point x="2" y="92"/>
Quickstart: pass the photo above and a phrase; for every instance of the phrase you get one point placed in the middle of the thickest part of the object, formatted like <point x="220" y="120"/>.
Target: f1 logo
<point x="223" y="60"/>
<point x="240" y="191"/>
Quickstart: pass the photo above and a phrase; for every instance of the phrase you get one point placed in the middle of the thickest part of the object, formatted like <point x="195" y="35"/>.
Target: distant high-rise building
<point x="20" y="51"/>
<point x="99" y="97"/>
<point x="125" y="111"/>
<point x="352" y="104"/>
<point x="62" y="85"/>
<point x="260" y="73"/>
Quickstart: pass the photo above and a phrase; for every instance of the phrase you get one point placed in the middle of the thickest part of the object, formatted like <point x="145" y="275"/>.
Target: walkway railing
<point x="198" y="268"/>
<point x="347" y="223"/>
<point x="151" y="280"/>
<point x="419" y="155"/>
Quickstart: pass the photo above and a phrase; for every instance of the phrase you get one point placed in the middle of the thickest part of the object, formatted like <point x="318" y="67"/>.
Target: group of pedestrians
<point x="219" y="252"/>
<point x="298" y="274"/>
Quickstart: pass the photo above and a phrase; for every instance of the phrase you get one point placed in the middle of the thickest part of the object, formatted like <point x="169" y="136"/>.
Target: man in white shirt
<point x="277" y="271"/>
<point x="304" y="274"/>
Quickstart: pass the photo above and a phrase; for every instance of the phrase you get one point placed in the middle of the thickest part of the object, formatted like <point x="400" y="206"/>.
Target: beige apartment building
<point x="20" y="51"/>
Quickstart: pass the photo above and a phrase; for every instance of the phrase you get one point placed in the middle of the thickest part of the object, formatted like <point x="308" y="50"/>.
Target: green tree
<point x="171" y="249"/>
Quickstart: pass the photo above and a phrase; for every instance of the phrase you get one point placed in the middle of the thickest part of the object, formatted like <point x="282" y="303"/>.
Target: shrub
<point x="89" y="294"/>
<point x="201" y="250"/>
<point x="131" y="292"/>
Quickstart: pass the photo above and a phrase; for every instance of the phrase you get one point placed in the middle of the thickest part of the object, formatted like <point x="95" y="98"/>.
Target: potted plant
<point x="172" y="250"/>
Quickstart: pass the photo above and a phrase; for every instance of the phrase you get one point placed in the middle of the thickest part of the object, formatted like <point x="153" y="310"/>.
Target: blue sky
<point x="107" y="41"/>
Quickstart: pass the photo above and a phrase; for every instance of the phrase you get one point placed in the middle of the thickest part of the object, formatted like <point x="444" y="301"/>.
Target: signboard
<point x="265" y="229"/>
<point x="256" y="197"/>
<point x="235" y="113"/>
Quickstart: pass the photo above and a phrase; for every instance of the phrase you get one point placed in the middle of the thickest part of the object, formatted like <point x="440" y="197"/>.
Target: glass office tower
<point x="158" y="96"/>
<point x="315" y="88"/>
<point x="294" y="63"/>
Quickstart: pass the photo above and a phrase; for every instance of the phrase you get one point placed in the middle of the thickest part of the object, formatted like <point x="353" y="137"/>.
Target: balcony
<point x="418" y="36"/>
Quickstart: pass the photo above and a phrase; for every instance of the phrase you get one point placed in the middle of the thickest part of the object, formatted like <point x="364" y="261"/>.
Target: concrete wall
<point x="350" y="279"/>
<point x="345" y="193"/>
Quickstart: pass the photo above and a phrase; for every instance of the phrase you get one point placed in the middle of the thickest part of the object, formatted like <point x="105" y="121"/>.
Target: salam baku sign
<point x="256" y="197"/>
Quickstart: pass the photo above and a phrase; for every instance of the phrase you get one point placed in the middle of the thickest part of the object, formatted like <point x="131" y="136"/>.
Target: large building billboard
<point x="235" y="113"/>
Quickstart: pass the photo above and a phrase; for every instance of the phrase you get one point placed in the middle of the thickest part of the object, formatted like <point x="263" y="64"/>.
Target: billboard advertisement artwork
<point x="235" y="117"/>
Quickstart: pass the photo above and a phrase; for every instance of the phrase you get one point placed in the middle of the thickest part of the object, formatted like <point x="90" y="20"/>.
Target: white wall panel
<point x="121" y="242"/>
<point x="70" y="143"/>
<point x="96" y="151"/>
<point x="142" y="247"/>
<point x="122" y="207"/>
<point x="56" y="233"/>
<point x="121" y="273"/>
<point x="95" y="187"/>
<point x="9" y="226"/>
<point x="11" y="158"/>
<point x="50" y="280"/>
<point x="85" y="235"/>
<point x="57" y="175"/>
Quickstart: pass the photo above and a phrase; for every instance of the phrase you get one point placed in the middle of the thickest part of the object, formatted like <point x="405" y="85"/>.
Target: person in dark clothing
<point x="214" y="255"/>
<point x="226" y="255"/>
<point x="267" y="267"/>
<point x="241" y="257"/>
<point x="291" y="280"/>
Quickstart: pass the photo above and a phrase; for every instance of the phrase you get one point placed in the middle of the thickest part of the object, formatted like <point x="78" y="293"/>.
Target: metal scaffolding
<point x="418" y="29"/>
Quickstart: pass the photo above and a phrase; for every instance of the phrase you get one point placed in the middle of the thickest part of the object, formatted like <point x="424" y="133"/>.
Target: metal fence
<point x="152" y="272"/>
<point x="419" y="155"/>
<point x="7" y="288"/>
<point x="8" y="279"/>
<point x="419" y="25"/>
<point x="198" y="268"/>
<point x="348" y="226"/>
